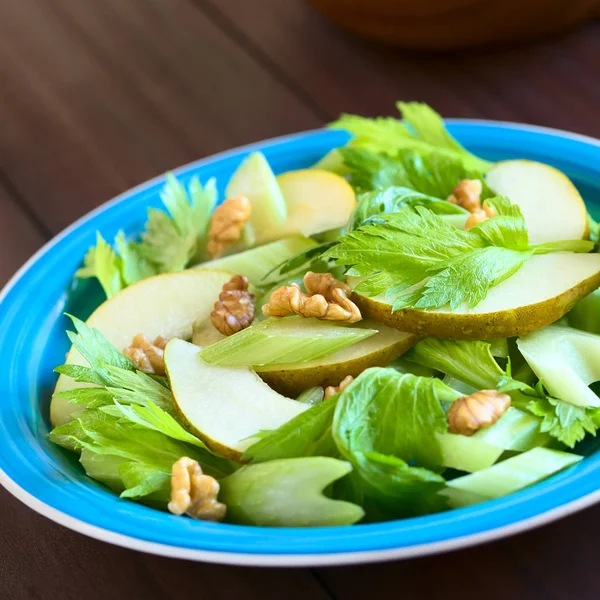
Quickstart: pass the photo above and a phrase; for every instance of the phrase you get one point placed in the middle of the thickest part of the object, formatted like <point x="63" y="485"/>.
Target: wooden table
<point x="99" y="95"/>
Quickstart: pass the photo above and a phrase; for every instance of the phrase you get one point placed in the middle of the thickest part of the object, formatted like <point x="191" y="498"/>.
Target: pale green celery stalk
<point x="458" y="385"/>
<point x="507" y="476"/>
<point x="567" y="360"/>
<point x="277" y="341"/>
<point x="288" y="493"/>
<point x="103" y="468"/>
<point x="258" y="262"/>
<point x="516" y="430"/>
<point x="467" y="453"/>
<point x="311" y="396"/>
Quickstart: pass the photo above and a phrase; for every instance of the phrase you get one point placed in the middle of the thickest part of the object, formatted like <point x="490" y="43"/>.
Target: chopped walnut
<point x="194" y="493"/>
<point x="481" y="409"/>
<point x="326" y="299"/>
<point x="234" y="310"/>
<point x="227" y="223"/>
<point x="333" y="390"/>
<point x="479" y="216"/>
<point x="467" y="194"/>
<point x="147" y="356"/>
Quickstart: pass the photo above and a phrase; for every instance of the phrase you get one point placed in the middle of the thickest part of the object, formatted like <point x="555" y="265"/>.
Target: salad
<point x="403" y="328"/>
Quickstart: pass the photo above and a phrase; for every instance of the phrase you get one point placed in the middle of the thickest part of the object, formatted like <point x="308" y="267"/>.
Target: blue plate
<point x="49" y="480"/>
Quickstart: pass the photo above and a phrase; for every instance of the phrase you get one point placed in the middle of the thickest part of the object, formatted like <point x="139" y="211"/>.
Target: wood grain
<point x="19" y="237"/>
<point x="40" y="560"/>
<point x="554" y="83"/>
<point x="99" y="96"/>
<point x="556" y="562"/>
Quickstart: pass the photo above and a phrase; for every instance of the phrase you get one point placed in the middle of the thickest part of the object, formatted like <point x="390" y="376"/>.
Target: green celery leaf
<point x="102" y="262"/>
<point x="136" y="387"/>
<point x="469" y="361"/>
<point x="432" y="174"/>
<point x="563" y="421"/>
<point x="389" y="488"/>
<point x="308" y="434"/>
<point x="172" y="240"/>
<point x="300" y="263"/>
<point x="81" y="374"/>
<point x="393" y="199"/>
<point x="392" y="413"/>
<point x="134" y="266"/>
<point x="152" y="417"/>
<point x="394" y="252"/>
<point x="102" y="433"/>
<point x="97" y="350"/>
<point x="386" y="424"/>
<point x="103" y="468"/>
<point x="423" y="130"/>
<point x="142" y="480"/>
<point x="86" y="395"/>
<point x="465" y="279"/>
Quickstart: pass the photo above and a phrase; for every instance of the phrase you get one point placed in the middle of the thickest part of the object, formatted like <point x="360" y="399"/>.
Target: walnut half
<point x="481" y="409"/>
<point x="326" y="299"/>
<point x="467" y="194"/>
<point x="227" y="223"/>
<point x="194" y="493"/>
<point x="147" y="356"/>
<point x="234" y="310"/>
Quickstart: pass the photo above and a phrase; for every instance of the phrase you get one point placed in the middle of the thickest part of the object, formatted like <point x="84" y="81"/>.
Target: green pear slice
<point x="161" y="305"/>
<point x="553" y="208"/>
<point x="224" y="406"/>
<point x="376" y="351"/>
<point x="539" y="293"/>
<point x="255" y="180"/>
<point x="316" y="201"/>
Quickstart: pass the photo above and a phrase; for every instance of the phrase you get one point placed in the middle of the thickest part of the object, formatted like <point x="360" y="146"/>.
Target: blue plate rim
<point x="288" y="559"/>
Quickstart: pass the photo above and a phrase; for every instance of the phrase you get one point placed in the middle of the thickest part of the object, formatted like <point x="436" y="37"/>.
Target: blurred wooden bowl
<point x="453" y="24"/>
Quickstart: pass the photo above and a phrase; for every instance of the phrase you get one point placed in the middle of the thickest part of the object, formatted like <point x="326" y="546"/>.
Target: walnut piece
<point x="481" y="409"/>
<point x="332" y="390"/>
<point x="479" y="216"/>
<point x="466" y="194"/>
<point x="194" y="493"/>
<point x="234" y="310"/>
<point x="147" y="356"/>
<point x="326" y="299"/>
<point x="227" y="223"/>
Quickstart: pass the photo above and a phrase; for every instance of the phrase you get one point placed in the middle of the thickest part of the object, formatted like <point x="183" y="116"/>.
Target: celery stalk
<point x="467" y="453"/>
<point x="287" y="340"/>
<point x="507" y="476"/>
<point x="516" y="430"/>
<point x="258" y="262"/>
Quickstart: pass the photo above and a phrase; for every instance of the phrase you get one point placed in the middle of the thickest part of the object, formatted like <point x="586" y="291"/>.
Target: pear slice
<point x="539" y="293"/>
<point x="161" y="305"/>
<point x="255" y="180"/>
<point x="316" y="201"/>
<point x="553" y="208"/>
<point x="224" y="406"/>
<point x="376" y="351"/>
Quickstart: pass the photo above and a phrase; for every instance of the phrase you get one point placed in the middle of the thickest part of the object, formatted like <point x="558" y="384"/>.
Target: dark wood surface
<point x="98" y="95"/>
